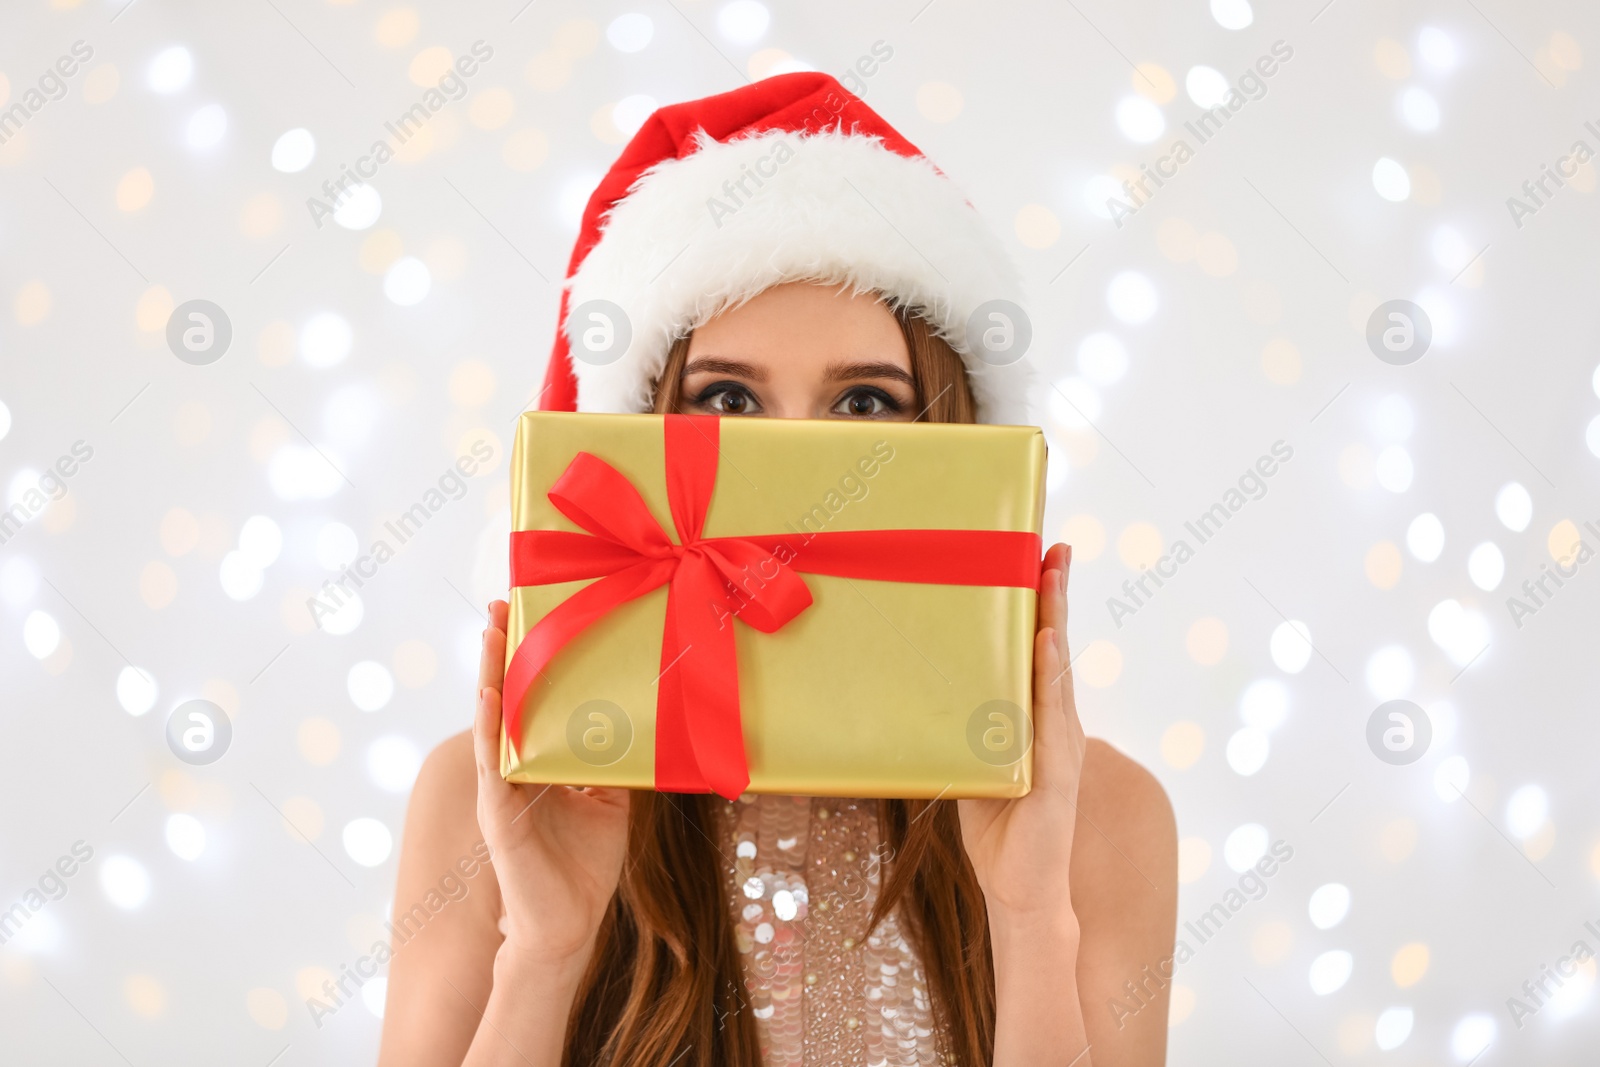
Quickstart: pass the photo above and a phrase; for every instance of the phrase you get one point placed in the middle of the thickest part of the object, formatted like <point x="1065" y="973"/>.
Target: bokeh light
<point x="359" y="207"/>
<point x="1486" y="566"/>
<point x="1248" y="750"/>
<point x="1206" y="86"/>
<point x="1232" y="14"/>
<point x="743" y="22"/>
<point x="367" y="841"/>
<point x="1131" y="297"/>
<point x="1471" y="1035"/>
<point x="136" y="690"/>
<point x="294" y="150"/>
<point x="41" y="634"/>
<point x="1330" y="971"/>
<point x="125" y="881"/>
<point x="1436" y="50"/>
<point x="170" y="70"/>
<point x="1393" y="1027"/>
<point x="1390" y="672"/>
<point x="393" y="762"/>
<point x="1390" y="179"/>
<point x="186" y="836"/>
<point x="1425" y="537"/>
<point x="1139" y="120"/>
<point x="370" y="685"/>
<point x="1419" y="110"/>
<point x="1514" y="506"/>
<point x="1329" y="905"/>
<point x="1291" y="646"/>
<point x="1245" y="845"/>
<point x="630" y="32"/>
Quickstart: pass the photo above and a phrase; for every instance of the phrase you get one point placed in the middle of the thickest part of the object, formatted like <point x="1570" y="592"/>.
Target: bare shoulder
<point x="447" y="785"/>
<point x="1126" y="835"/>
<point x="446" y="911"/>
<point x="442" y="824"/>
<point x="1125" y="894"/>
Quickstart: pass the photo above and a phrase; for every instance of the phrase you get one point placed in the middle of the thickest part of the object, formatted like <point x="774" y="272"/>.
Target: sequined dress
<point x="802" y="884"/>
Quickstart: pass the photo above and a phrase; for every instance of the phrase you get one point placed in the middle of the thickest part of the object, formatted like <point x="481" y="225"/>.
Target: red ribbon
<point x="709" y="580"/>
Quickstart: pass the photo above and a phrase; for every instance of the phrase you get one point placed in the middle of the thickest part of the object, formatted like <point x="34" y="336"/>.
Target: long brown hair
<point x="665" y="983"/>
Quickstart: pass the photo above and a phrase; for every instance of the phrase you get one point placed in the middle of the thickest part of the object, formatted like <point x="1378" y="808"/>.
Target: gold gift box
<point x="879" y="688"/>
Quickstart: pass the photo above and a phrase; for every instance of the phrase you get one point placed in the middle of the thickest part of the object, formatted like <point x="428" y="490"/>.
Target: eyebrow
<point x="718" y="365"/>
<point x="835" y="372"/>
<point x="844" y="372"/>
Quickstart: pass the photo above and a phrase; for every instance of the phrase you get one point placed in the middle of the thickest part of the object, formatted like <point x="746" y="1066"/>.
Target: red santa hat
<point x="791" y="178"/>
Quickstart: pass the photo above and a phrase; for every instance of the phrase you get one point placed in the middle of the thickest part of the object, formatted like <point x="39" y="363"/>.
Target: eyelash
<point x="716" y="389"/>
<point x="891" y="406"/>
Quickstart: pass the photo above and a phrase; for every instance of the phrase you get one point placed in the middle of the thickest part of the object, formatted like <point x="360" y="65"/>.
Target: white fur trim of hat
<point x="704" y="233"/>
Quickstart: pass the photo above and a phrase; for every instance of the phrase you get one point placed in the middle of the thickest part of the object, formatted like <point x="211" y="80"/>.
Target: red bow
<point x="699" y="735"/>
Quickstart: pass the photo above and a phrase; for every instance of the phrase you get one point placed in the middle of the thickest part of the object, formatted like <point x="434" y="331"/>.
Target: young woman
<point x="641" y="929"/>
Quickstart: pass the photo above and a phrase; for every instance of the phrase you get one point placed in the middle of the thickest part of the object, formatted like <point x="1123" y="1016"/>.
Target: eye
<point x="727" y="398"/>
<point x="864" y="402"/>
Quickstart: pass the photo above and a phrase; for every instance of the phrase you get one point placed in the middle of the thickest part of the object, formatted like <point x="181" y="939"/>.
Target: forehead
<point x="804" y="319"/>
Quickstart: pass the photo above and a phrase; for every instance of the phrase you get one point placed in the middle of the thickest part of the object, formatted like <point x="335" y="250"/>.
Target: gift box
<point x="824" y="608"/>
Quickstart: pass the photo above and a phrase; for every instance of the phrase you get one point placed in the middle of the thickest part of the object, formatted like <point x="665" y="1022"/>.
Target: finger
<point x="492" y="662"/>
<point x="1051" y="581"/>
<point x="1046" y="691"/>
<point x="486" y="735"/>
<point x="1069" y="699"/>
<point x="1053" y="598"/>
<point x="1062" y="645"/>
<point x="498" y="611"/>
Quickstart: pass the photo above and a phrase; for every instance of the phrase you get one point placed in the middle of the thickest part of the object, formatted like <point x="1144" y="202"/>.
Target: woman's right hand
<point x="557" y="851"/>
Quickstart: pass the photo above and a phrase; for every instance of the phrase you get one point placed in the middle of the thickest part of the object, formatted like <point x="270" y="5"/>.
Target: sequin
<point x="821" y="994"/>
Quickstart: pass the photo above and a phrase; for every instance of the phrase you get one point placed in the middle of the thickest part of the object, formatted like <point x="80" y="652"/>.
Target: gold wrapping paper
<point x="879" y="688"/>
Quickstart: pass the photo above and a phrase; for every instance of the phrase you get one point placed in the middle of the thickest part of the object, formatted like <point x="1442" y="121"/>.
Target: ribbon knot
<point x="710" y="582"/>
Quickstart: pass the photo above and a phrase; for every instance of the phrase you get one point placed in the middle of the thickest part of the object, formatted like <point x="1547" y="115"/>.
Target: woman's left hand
<point x="1021" y="849"/>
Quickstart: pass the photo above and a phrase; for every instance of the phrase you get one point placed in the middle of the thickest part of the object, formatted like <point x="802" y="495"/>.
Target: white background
<point x="1264" y="256"/>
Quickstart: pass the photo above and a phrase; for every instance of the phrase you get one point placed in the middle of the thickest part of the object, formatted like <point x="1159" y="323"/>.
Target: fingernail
<point x="1061" y="581"/>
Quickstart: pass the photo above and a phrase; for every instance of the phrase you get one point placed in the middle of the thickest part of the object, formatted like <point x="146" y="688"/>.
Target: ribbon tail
<point x="677" y="768"/>
<point x="566" y="621"/>
<point x="708" y="673"/>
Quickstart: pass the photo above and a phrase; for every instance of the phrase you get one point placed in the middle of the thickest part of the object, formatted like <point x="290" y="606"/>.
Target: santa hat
<point x="791" y="178"/>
